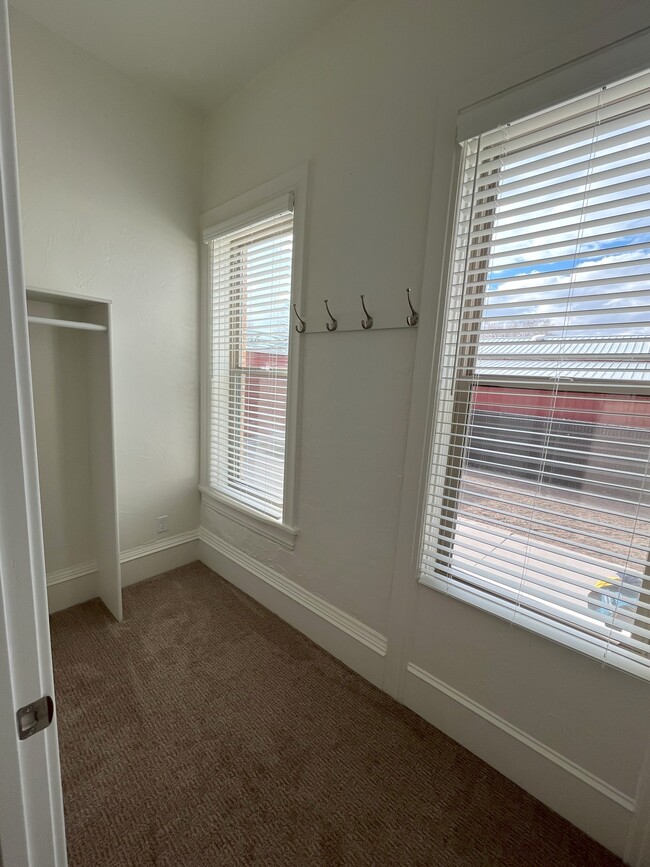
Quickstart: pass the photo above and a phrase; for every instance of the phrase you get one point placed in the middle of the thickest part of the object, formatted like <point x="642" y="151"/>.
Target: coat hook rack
<point x="303" y="325"/>
<point x="367" y="322"/>
<point x="414" y="318"/>
<point x="384" y="317"/>
<point x="334" y="324"/>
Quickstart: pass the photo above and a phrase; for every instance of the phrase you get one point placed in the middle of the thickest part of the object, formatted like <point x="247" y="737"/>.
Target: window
<point x="250" y="275"/>
<point x="538" y="504"/>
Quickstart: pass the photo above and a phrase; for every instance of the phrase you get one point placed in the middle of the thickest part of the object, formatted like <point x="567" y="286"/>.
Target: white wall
<point x="110" y="176"/>
<point x="60" y="387"/>
<point x="360" y="102"/>
<point x="110" y="196"/>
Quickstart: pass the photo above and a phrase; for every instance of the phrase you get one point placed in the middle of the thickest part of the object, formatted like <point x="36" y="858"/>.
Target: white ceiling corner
<point x="202" y="51"/>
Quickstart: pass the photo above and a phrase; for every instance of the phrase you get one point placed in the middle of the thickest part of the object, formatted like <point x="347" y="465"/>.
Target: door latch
<point x="34" y="717"/>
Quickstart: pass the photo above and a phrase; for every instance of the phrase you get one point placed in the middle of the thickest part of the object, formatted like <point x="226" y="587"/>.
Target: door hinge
<point x="34" y="717"/>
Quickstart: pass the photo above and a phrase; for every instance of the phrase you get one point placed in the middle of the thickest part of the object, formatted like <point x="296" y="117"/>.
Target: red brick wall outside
<point x="266" y="413"/>
<point x="584" y="408"/>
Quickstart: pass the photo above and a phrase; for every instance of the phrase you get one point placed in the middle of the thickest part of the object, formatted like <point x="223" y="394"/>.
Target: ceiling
<point x="200" y="50"/>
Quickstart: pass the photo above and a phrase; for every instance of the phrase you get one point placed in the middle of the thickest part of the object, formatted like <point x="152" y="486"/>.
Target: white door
<point x="31" y="807"/>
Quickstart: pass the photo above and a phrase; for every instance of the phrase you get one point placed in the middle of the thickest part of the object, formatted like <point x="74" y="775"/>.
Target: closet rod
<point x="65" y="323"/>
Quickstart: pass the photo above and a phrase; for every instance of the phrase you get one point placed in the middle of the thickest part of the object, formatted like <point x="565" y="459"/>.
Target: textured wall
<point x="360" y="103"/>
<point x="110" y="175"/>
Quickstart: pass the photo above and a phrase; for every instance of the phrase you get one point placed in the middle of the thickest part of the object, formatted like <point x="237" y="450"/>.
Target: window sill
<point x="278" y="532"/>
<point x="561" y="633"/>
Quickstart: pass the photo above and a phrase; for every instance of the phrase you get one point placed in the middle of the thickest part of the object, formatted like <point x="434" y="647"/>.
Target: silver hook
<point x="303" y="325"/>
<point x="334" y="324"/>
<point x="414" y="318"/>
<point x="367" y="322"/>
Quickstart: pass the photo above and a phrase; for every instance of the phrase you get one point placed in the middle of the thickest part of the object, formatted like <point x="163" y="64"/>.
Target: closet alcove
<point x="70" y="348"/>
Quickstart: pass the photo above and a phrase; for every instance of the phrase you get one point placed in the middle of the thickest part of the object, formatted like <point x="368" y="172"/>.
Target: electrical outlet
<point x="161" y="524"/>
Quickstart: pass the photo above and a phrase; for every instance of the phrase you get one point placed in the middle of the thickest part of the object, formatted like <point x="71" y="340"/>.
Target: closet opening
<point x="70" y="349"/>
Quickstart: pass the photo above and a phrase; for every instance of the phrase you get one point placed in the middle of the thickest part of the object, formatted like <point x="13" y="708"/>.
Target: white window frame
<point x="252" y="205"/>
<point x="459" y="118"/>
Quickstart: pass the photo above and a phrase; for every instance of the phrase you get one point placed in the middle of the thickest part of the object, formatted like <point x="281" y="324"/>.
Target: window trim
<point x="235" y="511"/>
<point x="619" y="59"/>
<point x="604" y="63"/>
<point x="252" y="205"/>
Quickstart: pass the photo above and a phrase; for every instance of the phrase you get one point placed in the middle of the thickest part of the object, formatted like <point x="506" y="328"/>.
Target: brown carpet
<point x="205" y="731"/>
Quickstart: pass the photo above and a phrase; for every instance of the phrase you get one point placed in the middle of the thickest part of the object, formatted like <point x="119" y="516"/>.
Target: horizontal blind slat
<point x="538" y="485"/>
<point x="250" y="280"/>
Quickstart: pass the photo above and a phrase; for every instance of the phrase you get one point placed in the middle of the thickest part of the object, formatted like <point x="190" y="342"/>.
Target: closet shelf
<point x="65" y="323"/>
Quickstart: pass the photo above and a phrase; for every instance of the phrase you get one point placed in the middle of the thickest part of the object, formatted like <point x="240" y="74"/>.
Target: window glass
<point x="539" y="493"/>
<point x="250" y="305"/>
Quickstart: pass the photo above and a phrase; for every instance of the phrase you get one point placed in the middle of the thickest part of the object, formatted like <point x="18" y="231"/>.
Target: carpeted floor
<point x="205" y="731"/>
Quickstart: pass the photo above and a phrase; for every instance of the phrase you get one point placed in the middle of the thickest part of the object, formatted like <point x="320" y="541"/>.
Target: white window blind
<point x="538" y="503"/>
<point x="250" y="279"/>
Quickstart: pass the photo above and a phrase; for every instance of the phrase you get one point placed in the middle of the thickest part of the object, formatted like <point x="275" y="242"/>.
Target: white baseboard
<point x="590" y="803"/>
<point x="145" y="561"/>
<point x="348" y="639"/>
<point x="67" y="587"/>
